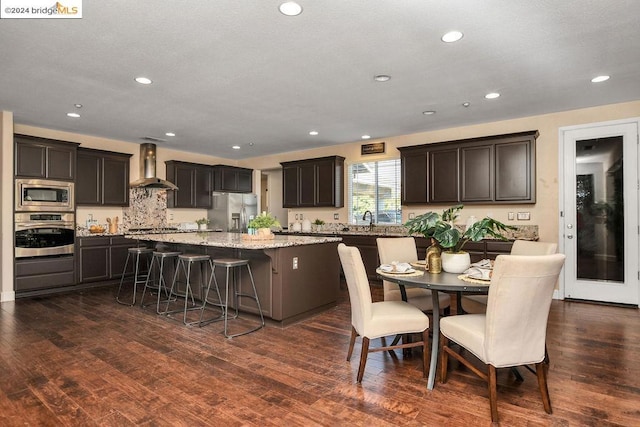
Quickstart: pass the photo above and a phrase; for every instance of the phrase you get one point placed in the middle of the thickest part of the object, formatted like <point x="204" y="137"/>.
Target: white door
<point x="599" y="211"/>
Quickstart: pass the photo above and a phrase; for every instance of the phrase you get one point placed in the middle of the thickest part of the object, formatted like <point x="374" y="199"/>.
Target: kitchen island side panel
<point x="311" y="287"/>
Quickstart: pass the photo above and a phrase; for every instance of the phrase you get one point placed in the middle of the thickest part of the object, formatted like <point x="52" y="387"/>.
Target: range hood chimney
<point x="148" y="170"/>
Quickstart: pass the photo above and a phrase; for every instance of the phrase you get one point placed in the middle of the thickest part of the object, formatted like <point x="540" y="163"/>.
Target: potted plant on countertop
<point x="202" y="223"/>
<point x="263" y="223"/>
<point x="441" y="228"/>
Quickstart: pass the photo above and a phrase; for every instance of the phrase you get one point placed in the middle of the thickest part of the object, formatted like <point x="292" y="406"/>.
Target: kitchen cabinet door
<point x="290" y="187"/>
<point x="203" y="187"/>
<point x="184" y="176"/>
<point x="115" y="180"/>
<point x="515" y="171"/>
<point x="476" y="174"/>
<point x="443" y="176"/>
<point x="329" y="188"/>
<point x="414" y="177"/>
<point x="89" y="186"/>
<point x="307" y="185"/>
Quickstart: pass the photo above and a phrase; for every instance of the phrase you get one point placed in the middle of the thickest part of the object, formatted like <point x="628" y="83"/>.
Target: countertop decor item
<point x="202" y="223"/>
<point x="442" y="229"/>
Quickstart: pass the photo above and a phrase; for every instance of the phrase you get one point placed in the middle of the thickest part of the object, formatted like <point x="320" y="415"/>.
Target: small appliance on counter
<point x="306" y="225"/>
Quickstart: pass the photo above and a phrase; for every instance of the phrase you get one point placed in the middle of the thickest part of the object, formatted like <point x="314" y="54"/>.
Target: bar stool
<point x="157" y="261"/>
<point x="139" y="276"/>
<point x="230" y="264"/>
<point x="186" y="262"/>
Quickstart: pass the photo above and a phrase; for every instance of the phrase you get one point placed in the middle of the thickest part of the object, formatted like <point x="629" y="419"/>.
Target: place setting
<point x="478" y="272"/>
<point x="398" y="269"/>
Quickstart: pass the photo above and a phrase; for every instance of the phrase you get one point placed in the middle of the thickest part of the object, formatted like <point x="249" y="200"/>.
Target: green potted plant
<point x="202" y="223"/>
<point x="441" y="229"/>
<point x="263" y="223"/>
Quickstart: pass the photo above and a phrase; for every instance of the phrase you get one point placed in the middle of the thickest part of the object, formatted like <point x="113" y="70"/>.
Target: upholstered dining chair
<point x="478" y="303"/>
<point x="403" y="249"/>
<point x="372" y="320"/>
<point x="513" y="330"/>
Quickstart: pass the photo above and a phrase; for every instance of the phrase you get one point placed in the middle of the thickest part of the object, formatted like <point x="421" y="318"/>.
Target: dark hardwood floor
<point x="83" y="360"/>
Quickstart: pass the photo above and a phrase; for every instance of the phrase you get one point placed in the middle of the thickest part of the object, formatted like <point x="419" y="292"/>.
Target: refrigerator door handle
<point x="243" y="219"/>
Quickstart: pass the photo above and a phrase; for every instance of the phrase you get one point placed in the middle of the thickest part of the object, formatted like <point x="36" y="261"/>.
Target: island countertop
<point x="234" y="240"/>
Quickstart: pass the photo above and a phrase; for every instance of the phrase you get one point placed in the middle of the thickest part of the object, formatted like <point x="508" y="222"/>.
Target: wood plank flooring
<point x="83" y="360"/>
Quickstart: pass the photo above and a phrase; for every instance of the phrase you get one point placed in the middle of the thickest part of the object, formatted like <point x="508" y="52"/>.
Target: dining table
<point x="436" y="282"/>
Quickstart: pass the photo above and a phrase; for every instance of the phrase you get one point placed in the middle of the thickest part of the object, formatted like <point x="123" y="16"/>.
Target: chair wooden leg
<point x="363" y="358"/>
<point x="351" y="343"/>
<point x="493" y="393"/>
<point x="541" y="372"/>
<point x="426" y="353"/>
<point x="444" y="358"/>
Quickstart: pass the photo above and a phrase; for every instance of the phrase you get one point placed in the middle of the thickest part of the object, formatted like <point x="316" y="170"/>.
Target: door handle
<point x="569" y="236"/>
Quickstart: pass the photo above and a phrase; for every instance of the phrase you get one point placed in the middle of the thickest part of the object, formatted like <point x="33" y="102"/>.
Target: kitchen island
<point x="295" y="276"/>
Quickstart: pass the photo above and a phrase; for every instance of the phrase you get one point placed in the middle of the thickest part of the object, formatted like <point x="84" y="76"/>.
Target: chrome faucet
<point x="364" y="217"/>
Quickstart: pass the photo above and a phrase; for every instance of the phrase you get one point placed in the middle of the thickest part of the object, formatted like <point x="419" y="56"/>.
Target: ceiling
<point x="231" y="72"/>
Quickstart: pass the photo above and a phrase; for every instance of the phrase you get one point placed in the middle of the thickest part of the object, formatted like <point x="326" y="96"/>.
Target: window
<point x="375" y="187"/>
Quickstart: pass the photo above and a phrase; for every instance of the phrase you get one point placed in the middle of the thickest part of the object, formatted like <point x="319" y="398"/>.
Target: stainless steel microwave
<point x="44" y="195"/>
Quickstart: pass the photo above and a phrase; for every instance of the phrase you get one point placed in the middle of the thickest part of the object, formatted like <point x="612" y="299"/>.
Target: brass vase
<point x="433" y="259"/>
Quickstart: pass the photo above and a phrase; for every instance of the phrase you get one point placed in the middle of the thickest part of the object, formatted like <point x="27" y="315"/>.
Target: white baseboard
<point x="7" y="296"/>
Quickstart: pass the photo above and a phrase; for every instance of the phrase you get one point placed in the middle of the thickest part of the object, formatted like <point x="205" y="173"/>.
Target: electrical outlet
<point x="301" y="216"/>
<point x="412" y="215"/>
<point x="336" y="216"/>
<point x="296" y="217"/>
<point x="511" y="216"/>
<point x="524" y="216"/>
<point x="295" y="263"/>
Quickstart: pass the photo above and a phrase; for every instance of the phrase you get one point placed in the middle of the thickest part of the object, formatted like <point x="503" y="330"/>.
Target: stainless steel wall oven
<point x="44" y="234"/>
<point x="42" y="195"/>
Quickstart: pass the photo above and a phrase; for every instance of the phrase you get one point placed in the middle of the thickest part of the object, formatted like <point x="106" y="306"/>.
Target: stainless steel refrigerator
<point x="232" y="211"/>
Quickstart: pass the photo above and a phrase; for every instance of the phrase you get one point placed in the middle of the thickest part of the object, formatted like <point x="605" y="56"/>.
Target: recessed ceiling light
<point x="74" y="115"/>
<point x="466" y="104"/>
<point x="236" y="147"/>
<point x="452" y="36"/>
<point x="290" y="8"/>
<point x="170" y="134"/>
<point x="313" y="133"/>
<point x="77" y="105"/>
<point x="366" y="136"/>
<point x="382" y="78"/>
<point x="428" y="112"/>
<point x="143" y="80"/>
<point x="251" y="144"/>
<point x="599" y="79"/>
<point x="492" y="95"/>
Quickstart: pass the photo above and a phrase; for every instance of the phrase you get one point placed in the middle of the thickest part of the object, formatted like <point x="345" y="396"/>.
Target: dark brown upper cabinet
<point x="44" y="158"/>
<point x="103" y="178"/>
<point x="195" y="185"/>
<point x="313" y="182"/>
<point x="493" y="169"/>
<point x="232" y="179"/>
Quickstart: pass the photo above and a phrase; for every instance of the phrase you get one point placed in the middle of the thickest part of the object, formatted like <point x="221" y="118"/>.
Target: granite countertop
<point x="523" y="232"/>
<point x="233" y="240"/>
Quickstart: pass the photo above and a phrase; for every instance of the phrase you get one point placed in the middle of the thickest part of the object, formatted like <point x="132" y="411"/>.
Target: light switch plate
<point x="524" y="216"/>
<point x="336" y="216"/>
<point x="412" y="215"/>
<point x="511" y="216"/>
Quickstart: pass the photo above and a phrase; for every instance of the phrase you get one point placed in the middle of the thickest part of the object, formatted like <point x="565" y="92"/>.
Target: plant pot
<point x="264" y="233"/>
<point x="455" y="262"/>
<point x="202" y="226"/>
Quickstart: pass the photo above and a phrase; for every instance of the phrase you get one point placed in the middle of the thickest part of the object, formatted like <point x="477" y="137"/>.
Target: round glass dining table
<point x="440" y="282"/>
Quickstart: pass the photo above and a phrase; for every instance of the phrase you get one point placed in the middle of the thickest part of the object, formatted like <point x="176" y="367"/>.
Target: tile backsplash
<point x="147" y="208"/>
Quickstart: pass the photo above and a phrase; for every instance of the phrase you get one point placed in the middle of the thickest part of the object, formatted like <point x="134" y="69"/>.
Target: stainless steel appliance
<point x="232" y="211"/>
<point x="44" y="233"/>
<point x="44" y="195"/>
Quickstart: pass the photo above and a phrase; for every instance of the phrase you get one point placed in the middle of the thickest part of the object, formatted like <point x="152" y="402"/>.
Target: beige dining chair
<point x="372" y="320"/>
<point x="513" y="330"/>
<point x="403" y="249"/>
<point x="478" y="303"/>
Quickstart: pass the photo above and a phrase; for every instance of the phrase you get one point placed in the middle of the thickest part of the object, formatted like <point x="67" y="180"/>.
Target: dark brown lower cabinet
<point x="35" y="276"/>
<point x="102" y="258"/>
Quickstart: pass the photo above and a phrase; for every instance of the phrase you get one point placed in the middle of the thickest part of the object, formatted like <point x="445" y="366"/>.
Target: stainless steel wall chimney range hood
<point x="148" y="170"/>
